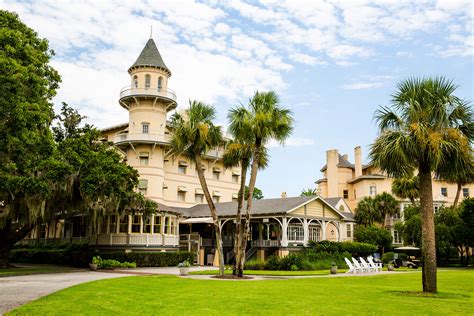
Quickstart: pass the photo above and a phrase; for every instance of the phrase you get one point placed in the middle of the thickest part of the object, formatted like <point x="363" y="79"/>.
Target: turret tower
<point x="148" y="100"/>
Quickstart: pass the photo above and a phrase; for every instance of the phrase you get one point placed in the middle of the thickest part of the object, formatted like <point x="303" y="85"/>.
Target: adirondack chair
<point x="358" y="266"/>
<point x="376" y="265"/>
<point x="367" y="266"/>
<point x="352" y="269"/>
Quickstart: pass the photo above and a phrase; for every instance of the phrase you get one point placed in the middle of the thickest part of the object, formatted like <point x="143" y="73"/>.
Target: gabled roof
<point x="367" y="177"/>
<point x="150" y="57"/>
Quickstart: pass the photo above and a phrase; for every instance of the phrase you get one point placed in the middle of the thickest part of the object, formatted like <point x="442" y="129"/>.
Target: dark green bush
<point x="109" y="264"/>
<point x="254" y="265"/>
<point x="389" y="256"/>
<point x="150" y="259"/>
<point x="358" y="249"/>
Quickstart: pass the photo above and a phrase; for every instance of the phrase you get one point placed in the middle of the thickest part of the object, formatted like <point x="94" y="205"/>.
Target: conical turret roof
<point x="150" y="57"/>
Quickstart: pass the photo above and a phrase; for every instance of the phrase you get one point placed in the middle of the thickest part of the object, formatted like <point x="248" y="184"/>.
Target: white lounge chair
<point x="366" y="266"/>
<point x="352" y="269"/>
<point x="376" y="265"/>
<point x="358" y="266"/>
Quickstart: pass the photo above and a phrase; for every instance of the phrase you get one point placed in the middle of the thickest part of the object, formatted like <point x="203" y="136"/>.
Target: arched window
<point x="135" y="81"/>
<point x="160" y="85"/>
<point x="147" y="81"/>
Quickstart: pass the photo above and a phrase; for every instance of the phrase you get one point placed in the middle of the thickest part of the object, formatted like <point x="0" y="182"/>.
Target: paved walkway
<point x="19" y="290"/>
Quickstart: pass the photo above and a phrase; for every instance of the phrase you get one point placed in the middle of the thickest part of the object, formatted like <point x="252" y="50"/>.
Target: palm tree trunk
<point x="212" y="209"/>
<point x="238" y="226"/>
<point x="427" y="229"/>
<point x="458" y="194"/>
<point x="252" y="182"/>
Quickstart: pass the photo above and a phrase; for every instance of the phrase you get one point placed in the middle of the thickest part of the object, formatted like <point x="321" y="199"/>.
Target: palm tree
<point x="264" y="120"/>
<point x="308" y="192"/>
<point x="426" y="126"/>
<point x="406" y="188"/>
<point x="386" y="205"/>
<point x="194" y="134"/>
<point x="366" y="212"/>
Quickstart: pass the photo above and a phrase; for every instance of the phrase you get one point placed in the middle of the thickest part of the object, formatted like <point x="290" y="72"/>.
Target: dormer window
<point x="160" y="83"/>
<point x="147" y="81"/>
<point x="145" y="128"/>
<point x="135" y="81"/>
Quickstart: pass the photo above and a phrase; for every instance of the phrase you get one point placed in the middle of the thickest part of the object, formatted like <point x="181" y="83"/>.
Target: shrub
<point x="389" y="256"/>
<point x="377" y="236"/>
<point x="151" y="259"/>
<point x="254" y="265"/>
<point x="109" y="264"/>
<point x="359" y="249"/>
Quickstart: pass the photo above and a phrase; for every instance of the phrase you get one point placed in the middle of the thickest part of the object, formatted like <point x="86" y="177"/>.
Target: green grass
<point x="269" y="272"/>
<point x="389" y="294"/>
<point x="40" y="269"/>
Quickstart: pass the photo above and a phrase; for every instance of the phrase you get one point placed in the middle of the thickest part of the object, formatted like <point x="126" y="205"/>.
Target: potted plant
<point x="184" y="267"/>
<point x="333" y="268"/>
<point x="95" y="263"/>
<point x="390" y="266"/>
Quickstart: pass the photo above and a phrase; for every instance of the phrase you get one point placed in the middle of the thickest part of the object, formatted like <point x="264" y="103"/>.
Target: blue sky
<point x="332" y="62"/>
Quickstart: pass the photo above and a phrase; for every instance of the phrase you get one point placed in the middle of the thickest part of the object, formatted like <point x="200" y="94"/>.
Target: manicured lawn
<point x="40" y="269"/>
<point x="394" y="294"/>
<point x="270" y="272"/>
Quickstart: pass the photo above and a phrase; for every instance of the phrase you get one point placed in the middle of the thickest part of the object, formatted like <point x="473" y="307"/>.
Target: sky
<point x="333" y="63"/>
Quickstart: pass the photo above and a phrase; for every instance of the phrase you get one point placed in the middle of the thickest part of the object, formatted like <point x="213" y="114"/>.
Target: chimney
<point x="358" y="161"/>
<point x="332" y="160"/>
<point x="283" y="195"/>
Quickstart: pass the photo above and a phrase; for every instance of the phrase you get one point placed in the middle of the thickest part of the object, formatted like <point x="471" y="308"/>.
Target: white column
<point x="284" y="232"/>
<point x="323" y="228"/>
<point x="305" y="231"/>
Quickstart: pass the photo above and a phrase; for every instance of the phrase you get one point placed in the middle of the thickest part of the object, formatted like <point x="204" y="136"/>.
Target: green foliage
<point x="257" y="193"/>
<point x="366" y="213"/>
<point x="151" y="259"/>
<point x="110" y="264"/>
<point x="406" y="187"/>
<point x="184" y="264"/>
<point x="390" y="256"/>
<point x="374" y="235"/>
<point x="359" y="249"/>
<point x="308" y="192"/>
<point x="69" y="254"/>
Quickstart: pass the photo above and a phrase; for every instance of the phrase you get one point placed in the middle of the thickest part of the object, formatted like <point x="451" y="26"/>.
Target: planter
<point x="390" y="267"/>
<point x="93" y="266"/>
<point x="183" y="271"/>
<point x="333" y="270"/>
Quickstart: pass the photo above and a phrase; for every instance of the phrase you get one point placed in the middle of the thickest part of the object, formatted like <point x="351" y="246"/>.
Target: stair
<point x="249" y="254"/>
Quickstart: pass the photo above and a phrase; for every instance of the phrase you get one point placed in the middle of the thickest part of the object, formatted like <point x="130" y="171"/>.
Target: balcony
<point x="130" y="93"/>
<point x="141" y="138"/>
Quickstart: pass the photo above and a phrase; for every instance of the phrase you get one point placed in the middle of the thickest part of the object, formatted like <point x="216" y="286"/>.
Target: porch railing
<point x="265" y="243"/>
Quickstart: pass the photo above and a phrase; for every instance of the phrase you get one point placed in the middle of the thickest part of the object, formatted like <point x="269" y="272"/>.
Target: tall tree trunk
<point x="9" y="236"/>
<point x="427" y="229"/>
<point x="458" y="194"/>
<point x="252" y="182"/>
<point x="212" y="209"/>
<point x="238" y="220"/>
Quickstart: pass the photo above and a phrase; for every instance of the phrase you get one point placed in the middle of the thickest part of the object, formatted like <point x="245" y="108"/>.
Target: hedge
<point x="357" y="249"/>
<point x="82" y="257"/>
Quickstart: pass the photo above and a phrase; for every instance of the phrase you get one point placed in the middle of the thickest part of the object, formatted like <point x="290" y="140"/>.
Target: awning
<point x="165" y="186"/>
<point x="183" y="163"/>
<point x="199" y="191"/>
<point x="215" y="169"/>
<point x="235" y="196"/>
<point x="216" y="193"/>
<point x="206" y="220"/>
<point x="407" y="248"/>
<point x="182" y="189"/>
<point x="235" y="173"/>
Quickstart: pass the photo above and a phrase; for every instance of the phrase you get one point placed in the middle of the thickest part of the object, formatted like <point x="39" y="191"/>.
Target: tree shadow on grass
<point x="439" y="295"/>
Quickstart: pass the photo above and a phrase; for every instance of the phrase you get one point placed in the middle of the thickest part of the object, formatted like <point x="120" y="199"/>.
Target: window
<point x="397" y="239"/>
<point x="215" y="174"/>
<point x="235" y="197"/>
<point x="147" y="224"/>
<point x="295" y="233"/>
<point x="444" y="192"/>
<point x="103" y="225"/>
<point x="436" y="208"/>
<point x="373" y="190"/>
<point x="355" y="195"/>
<point x="143" y="186"/>
<point x="349" y="230"/>
<point x="167" y="225"/>
<point x="147" y="81"/>
<point x="173" y="226"/>
<point x="345" y="194"/>
<point x="198" y="198"/>
<point x="216" y="199"/>
<point x="157" y="225"/>
<point x="314" y="233"/>
<point x="136" y="219"/>
<point x="182" y="167"/>
<point x="135" y="82"/>
<point x="160" y="84"/>
<point x="145" y="128"/>
<point x="123" y="226"/>
<point x="465" y="192"/>
<point x="235" y="178"/>
<point x="112" y="224"/>
<point x="181" y="196"/>
<point x="396" y="215"/>
<point x="144" y="158"/>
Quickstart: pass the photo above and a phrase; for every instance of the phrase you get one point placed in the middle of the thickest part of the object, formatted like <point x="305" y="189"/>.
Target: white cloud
<point x="362" y="85"/>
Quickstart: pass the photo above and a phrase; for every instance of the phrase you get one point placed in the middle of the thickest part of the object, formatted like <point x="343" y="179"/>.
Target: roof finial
<point x="151" y="31"/>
